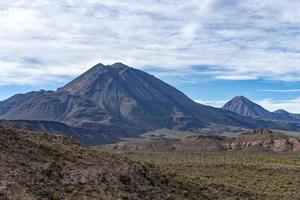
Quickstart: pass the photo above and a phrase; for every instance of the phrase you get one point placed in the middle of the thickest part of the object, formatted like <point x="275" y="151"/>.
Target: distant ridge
<point x="243" y="106"/>
<point x="86" y="136"/>
<point x="118" y="101"/>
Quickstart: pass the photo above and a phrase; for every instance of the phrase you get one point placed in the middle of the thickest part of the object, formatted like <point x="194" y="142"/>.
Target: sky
<point x="212" y="50"/>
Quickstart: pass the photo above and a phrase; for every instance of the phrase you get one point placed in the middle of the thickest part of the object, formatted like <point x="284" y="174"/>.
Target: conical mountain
<point x="131" y="96"/>
<point x="243" y="106"/>
<point x="109" y="95"/>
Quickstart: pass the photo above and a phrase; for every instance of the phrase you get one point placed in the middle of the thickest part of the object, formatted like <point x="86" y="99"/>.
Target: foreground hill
<point x="120" y="101"/>
<point x="243" y="106"/>
<point x="260" y="140"/>
<point x="39" y="166"/>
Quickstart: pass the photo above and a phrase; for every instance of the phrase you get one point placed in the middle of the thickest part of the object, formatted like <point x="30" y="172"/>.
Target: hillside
<point x="40" y="166"/>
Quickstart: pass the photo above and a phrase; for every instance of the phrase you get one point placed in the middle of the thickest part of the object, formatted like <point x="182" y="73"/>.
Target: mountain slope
<point x="126" y="98"/>
<point x="243" y="106"/>
<point x="39" y="166"/>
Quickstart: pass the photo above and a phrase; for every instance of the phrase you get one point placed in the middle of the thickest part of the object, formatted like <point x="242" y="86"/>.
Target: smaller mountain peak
<point x="99" y="65"/>
<point x="281" y="111"/>
<point x="243" y="106"/>
<point x="101" y="68"/>
<point x="95" y="68"/>
<point x="118" y="65"/>
<point x="240" y="98"/>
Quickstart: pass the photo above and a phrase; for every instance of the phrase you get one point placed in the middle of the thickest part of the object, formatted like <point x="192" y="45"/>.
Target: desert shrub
<point x="55" y="196"/>
<point x="70" y="189"/>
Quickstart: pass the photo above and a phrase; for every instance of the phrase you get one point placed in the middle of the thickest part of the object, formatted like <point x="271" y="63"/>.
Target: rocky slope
<point x="258" y="140"/>
<point x="126" y="99"/>
<point x="243" y="106"/>
<point x="39" y="166"/>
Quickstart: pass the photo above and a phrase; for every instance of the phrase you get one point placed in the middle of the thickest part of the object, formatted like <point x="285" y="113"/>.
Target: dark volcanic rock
<point x="199" y="137"/>
<point x="259" y="131"/>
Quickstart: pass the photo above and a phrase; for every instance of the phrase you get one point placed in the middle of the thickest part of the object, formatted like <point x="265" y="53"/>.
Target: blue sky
<point x="212" y="50"/>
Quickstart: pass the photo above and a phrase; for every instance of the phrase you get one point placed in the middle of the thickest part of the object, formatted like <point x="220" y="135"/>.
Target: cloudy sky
<point x="210" y="49"/>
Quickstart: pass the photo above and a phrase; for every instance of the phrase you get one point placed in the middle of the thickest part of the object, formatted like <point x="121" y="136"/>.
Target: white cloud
<point x="236" y="77"/>
<point x="292" y="105"/>
<point x="280" y="91"/>
<point x="217" y="104"/>
<point x="55" y="38"/>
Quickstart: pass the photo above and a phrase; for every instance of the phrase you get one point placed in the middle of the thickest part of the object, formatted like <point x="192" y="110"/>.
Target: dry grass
<point x="234" y="175"/>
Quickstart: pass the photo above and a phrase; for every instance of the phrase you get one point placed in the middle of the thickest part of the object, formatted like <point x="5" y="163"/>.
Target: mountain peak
<point x="90" y="78"/>
<point x="103" y="68"/>
<point x="240" y="98"/>
<point x="281" y="111"/>
<point x="96" y="67"/>
<point x="118" y="65"/>
<point x="243" y="106"/>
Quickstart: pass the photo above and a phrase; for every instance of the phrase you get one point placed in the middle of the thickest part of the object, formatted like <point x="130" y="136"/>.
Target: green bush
<point x="70" y="189"/>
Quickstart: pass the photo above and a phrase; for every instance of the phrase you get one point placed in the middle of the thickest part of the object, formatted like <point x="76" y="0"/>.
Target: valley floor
<point x="233" y="175"/>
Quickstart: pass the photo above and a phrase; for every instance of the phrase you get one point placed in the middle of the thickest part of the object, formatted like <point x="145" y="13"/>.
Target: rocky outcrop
<point x="199" y="137"/>
<point x="256" y="140"/>
<point x="259" y="131"/>
<point x="295" y="142"/>
<point x="265" y="139"/>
